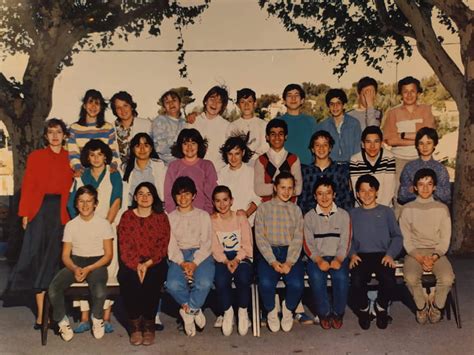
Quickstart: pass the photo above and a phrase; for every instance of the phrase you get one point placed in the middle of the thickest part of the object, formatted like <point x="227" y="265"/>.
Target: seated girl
<point x="232" y="249"/>
<point x="191" y="267"/>
<point x="144" y="234"/>
<point x="87" y="249"/>
<point x="191" y="148"/>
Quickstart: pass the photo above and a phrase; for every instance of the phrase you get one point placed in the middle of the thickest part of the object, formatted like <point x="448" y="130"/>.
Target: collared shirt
<point x="321" y="213"/>
<point x="123" y="139"/>
<point x="279" y="223"/>
<point x="140" y="176"/>
<point x="277" y="157"/>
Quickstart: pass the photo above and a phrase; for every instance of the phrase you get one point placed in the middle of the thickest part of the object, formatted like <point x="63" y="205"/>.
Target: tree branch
<point x="430" y="48"/>
<point x="388" y="24"/>
<point x="10" y="97"/>
<point x="456" y="10"/>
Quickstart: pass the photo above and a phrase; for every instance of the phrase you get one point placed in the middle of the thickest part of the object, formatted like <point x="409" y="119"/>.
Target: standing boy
<point x="426" y="228"/>
<point x="365" y="112"/>
<point x="327" y="238"/>
<point x="300" y="126"/>
<point x="377" y="241"/>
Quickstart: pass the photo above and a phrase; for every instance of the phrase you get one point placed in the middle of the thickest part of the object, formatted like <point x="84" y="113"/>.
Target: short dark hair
<point x="92" y="146"/>
<point x="157" y="205"/>
<point x="221" y="188"/>
<point x="54" y="122"/>
<point x="366" y="81"/>
<point x="324" y="181"/>
<point x="290" y="87"/>
<point x="219" y="91"/>
<point x="407" y="81"/>
<point x="369" y="179"/>
<point x="321" y="134"/>
<point x="336" y="93"/>
<point x="183" y="184"/>
<point x="276" y="123"/>
<point x="239" y="141"/>
<point x="371" y="130"/>
<point x="186" y="135"/>
<point x="282" y="176"/>
<point x="174" y="94"/>
<point x="431" y="133"/>
<point x="246" y="93"/>
<point x="131" y="154"/>
<point x="93" y="94"/>
<point x="123" y="96"/>
<point x="86" y="189"/>
<point x="425" y="172"/>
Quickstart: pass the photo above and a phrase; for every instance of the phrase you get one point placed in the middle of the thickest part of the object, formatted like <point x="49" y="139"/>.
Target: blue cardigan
<point x="347" y="143"/>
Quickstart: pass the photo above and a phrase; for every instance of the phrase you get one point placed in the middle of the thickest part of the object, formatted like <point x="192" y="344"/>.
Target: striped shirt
<point x="279" y="223"/>
<point x="80" y="135"/>
<point x="383" y="170"/>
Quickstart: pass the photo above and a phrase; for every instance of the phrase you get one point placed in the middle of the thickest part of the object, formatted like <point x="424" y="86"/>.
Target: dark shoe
<point x="325" y="322"/>
<point x="135" y="328"/>
<point x="336" y="322"/>
<point x="37" y="326"/>
<point x="382" y="318"/>
<point x="148" y="332"/>
<point x="364" y="319"/>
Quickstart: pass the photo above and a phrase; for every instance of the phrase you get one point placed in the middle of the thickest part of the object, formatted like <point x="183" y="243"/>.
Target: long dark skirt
<point x="41" y="250"/>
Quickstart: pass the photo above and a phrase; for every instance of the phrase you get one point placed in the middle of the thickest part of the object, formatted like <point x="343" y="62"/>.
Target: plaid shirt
<point x="279" y="223"/>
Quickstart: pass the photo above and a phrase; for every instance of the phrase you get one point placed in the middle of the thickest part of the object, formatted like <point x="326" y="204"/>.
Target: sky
<point x="226" y="24"/>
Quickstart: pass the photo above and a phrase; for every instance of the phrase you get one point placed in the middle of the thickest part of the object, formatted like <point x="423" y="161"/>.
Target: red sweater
<point x="46" y="172"/>
<point x="143" y="238"/>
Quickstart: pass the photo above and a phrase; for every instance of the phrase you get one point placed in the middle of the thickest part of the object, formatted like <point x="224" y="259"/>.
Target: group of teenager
<point x="188" y="203"/>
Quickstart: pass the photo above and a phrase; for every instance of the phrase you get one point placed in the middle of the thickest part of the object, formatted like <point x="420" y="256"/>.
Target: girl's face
<point x="284" y="189"/>
<point x="234" y="156"/>
<point x="172" y="106"/>
<point x="184" y="199"/>
<point x="144" y="197"/>
<point x="223" y="202"/>
<point x="97" y="158"/>
<point x="86" y="205"/>
<point x="142" y="150"/>
<point x="213" y="105"/>
<point x="123" y="109"/>
<point x="55" y="136"/>
<point x="190" y="149"/>
<point x="92" y="107"/>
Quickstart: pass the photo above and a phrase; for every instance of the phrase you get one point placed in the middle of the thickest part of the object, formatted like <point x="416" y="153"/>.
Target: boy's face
<point x="367" y="195"/>
<point x="172" y="106"/>
<point x="425" y="187"/>
<point x="213" y="105"/>
<point x="142" y="150"/>
<point x="247" y="106"/>
<point x="185" y="199"/>
<point x="86" y="205"/>
<point x="324" y="196"/>
<point x="123" y="110"/>
<point x="426" y="147"/>
<point x="284" y="189"/>
<point x="92" y="107"/>
<point x="409" y="94"/>
<point x="55" y="136"/>
<point x="223" y="202"/>
<point x="293" y="100"/>
<point x="321" y="148"/>
<point x="96" y="158"/>
<point x="336" y="107"/>
<point x="276" y="138"/>
<point x="234" y="156"/>
<point x="372" y="145"/>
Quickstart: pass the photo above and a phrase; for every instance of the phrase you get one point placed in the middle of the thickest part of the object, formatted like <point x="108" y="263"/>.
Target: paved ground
<point x="404" y="336"/>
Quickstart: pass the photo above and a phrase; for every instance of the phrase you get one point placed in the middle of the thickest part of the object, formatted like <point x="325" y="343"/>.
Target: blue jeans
<point x="268" y="279"/>
<point x="193" y="294"/>
<point x="340" y="287"/>
<point x="242" y="277"/>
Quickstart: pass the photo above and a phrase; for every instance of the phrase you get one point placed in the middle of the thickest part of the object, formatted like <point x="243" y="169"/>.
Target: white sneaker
<point x="65" y="330"/>
<point x="98" y="328"/>
<point x="287" y="318"/>
<point x="244" y="323"/>
<point x="227" y="324"/>
<point x="273" y="321"/>
<point x="200" y="319"/>
<point x="218" y="322"/>
<point x="188" y="319"/>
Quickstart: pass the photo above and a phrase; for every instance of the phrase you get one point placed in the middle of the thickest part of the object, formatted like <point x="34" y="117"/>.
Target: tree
<point x="372" y="31"/>
<point x="50" y="32"/>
